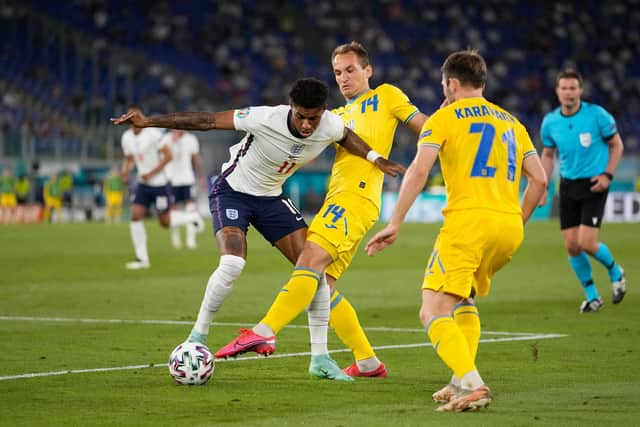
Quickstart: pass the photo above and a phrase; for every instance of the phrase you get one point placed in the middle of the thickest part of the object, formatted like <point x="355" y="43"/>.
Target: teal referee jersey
<point x="581" y="139"/>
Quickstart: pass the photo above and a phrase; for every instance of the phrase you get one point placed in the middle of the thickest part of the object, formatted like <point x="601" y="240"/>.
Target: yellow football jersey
<point x="374" y="117"/>
<point x="482" y="147"/>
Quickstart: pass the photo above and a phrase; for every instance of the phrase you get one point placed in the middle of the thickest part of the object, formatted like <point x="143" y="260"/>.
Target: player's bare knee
<point x="164" y="220"/>
<point x="425" y="316"/>
<point x="138" y="212"/>
<point x="232" y="241"/>
<point x="588" y="245"/>
<point x="573" y="247"/>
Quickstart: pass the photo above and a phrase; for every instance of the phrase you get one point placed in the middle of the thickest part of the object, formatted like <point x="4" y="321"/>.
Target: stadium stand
<point x="67" y="66"/>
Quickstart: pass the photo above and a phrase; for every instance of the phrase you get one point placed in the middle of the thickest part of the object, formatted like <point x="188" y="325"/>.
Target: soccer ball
<point x="191" y="363"/>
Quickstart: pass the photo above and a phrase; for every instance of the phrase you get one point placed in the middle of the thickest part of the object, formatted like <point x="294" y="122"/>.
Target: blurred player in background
<point x="144" y="149"/>
<point x="113" y="188"/>
<point x="586" y="138"/>
<point x="483" y="151"/>
<point x="351" y="208"/>
<point x="184" y="168"/>
<point x="52" y="194"/>
<point x="8" y="200"/>
<point x="278" y="142"/>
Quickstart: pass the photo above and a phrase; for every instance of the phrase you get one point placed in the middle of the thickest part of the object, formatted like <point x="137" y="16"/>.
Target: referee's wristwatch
<point x="608" y="175"/>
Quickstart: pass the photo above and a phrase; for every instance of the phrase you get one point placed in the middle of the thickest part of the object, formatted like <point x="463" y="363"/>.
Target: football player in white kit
<point x="144" y="149"/>
<point x="185" y="166"/>
<point x="278" y="141"/>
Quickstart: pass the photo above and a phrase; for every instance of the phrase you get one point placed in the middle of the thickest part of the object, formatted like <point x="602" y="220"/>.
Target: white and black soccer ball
<point x="191" y="363"/>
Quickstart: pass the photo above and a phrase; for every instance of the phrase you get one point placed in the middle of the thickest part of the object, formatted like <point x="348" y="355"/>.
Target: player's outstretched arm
<point x="183" y="121"/>
<point x="355" y="145"/>
<point x="536" y="185"/>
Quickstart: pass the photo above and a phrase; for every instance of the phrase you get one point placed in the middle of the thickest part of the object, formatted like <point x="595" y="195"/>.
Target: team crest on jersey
<point x="241" y="114"/>
<point x="232" y="213"/>
<point x="585" y="139"/>
<point x="296" y="151"/>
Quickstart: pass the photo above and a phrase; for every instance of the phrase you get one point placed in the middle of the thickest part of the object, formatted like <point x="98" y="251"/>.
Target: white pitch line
<point x="190" y="322"/>
<point x="273" y="356"/>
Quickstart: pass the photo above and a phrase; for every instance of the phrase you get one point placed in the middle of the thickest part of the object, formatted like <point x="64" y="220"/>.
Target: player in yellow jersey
<point x="374" y="114"/>
<point x="8" y="200"/>
<point x="113" y="189"/>
<point x="351" y="208"/>
<point x="52" y="194"/>
<point x="483" y="152"/>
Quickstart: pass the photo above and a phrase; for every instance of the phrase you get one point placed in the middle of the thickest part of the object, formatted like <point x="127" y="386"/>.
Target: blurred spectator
<point x="88" y="59"/>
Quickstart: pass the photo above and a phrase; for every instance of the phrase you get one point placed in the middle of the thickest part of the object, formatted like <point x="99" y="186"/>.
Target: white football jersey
<point x="180" y="168"/>
<point x="268" y="154"/>
<point x="145" y="149"/>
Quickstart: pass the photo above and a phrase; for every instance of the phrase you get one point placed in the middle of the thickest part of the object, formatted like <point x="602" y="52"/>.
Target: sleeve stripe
<point x="411" y="116"/>
<point x="430" y="144"/>
<point x="529" y="154"/>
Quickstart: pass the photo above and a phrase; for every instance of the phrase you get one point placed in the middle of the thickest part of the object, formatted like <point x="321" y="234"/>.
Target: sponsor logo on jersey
<point x="232" y="213"/>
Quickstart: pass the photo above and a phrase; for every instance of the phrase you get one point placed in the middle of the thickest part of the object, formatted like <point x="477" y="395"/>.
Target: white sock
<point x="175" y="237"/>
<point x="190" y="227"/>
<point x="455" y="380"/>
<point x="471" y="380"/>
<point x="178" y="218"/>
<point x="318" y="317"/>
<point x="139" y="239"/>
<point x="191" y="235"/>
<point x="218" y="288"/>
<point x="263" y="330"/>
<point x="369" y="364"/>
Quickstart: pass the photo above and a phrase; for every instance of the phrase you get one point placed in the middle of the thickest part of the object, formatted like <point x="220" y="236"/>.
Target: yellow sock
<point x="468" y="320"/>
<point x="451" y="345"/>
<point x="344" y="321"/>
<point x="293" y="298"/>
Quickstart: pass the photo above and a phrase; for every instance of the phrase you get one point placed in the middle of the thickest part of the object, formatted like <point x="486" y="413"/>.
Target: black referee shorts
<point x="579" y="205"/>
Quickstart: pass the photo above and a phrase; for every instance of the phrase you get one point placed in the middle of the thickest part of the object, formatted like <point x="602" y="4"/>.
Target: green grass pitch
<point x="55" y="278"/>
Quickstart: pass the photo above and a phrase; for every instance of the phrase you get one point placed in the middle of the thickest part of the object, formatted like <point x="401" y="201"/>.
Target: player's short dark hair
<point x="468" y="66"/>
<point x="355" y="47"/>
<point x="309" y="93"/>
<point x="569" y="73"/>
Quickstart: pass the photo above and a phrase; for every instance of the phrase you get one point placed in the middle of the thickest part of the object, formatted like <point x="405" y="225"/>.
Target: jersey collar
<point x="571" y="115"/>
<point x="352" y="100"/>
